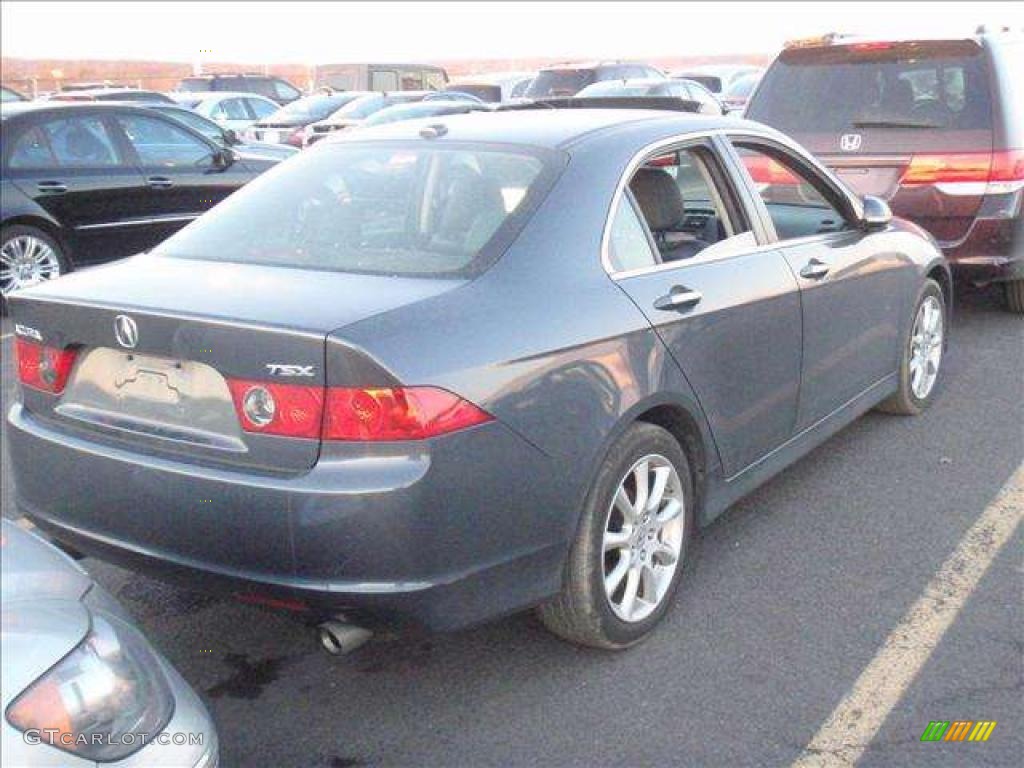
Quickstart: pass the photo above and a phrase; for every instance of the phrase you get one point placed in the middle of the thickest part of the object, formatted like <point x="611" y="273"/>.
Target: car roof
<point x="549" y="128"/>
<point x="17" y="108"/>
<point x="216" y="95"/>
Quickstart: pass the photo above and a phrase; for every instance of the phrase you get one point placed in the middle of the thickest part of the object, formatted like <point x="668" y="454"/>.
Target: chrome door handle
<point x="160" y="182"/>
<point x="678" y="297"/>
<point x="815" y="269"/>
<point x="52" y="187"/>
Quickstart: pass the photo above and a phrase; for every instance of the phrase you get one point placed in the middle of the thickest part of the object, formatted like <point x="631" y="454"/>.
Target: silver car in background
<point x="81" y="685"/>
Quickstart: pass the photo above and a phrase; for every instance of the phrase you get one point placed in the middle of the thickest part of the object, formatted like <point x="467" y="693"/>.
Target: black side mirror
<point x="223" y="159"/>
<point x="877" y="213"/>
<point x="231" y="138"/>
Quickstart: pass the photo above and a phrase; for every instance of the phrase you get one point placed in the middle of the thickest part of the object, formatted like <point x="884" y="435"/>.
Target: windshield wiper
<point x="894" y="124"/>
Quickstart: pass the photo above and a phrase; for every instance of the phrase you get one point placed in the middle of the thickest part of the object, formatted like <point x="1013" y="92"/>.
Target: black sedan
<point x="89" y="182"/>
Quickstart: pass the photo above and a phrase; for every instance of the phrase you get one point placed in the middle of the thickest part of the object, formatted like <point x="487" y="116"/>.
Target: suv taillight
<point x="351" y="414"/>
<point x="968" y="173"/>
<point x="44" y="368"/>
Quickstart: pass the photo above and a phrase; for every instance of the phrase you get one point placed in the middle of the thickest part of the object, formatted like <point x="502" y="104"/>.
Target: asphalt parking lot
<point x="786" y="600"/>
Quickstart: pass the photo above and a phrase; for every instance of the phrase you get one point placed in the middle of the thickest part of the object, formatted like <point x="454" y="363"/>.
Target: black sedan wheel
<point x="28" y="256"/>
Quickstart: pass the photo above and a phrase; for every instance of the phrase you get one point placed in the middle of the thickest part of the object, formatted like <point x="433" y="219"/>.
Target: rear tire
<point x="639" y="554"/>
<point x="921" y="352"/>
<point x="19" y="241"/>
<point x="1014" y="290"/>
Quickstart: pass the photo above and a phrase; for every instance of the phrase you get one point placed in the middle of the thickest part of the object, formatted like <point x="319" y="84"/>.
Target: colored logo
<point x="958" y="730"/>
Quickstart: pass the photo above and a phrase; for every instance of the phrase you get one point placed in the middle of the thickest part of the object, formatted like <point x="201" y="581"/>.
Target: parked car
<point x="81" y="685"/>
<point x="494" y="87"/>
<point x="236" y="111"/>
<point x="935" y="127"/>
<point x="399" y="112"/>
<point x="737" y="94"/>
<point x="569" y="79"/>
<point x="225" y="137"/>
<point x="381" y="77"/>
<point x="9" y="94"/>
<point x="717" y="77"/>
<point x="355" y="111"/>
<point x="687" y="91"/>
<point x="90" y="182"/>
<point x="288" y="124"/>
<point x="110" y="94"/>
<point x="276" y="89"/>
<point x="453" y="93"/>
<point x="372" y="368"/>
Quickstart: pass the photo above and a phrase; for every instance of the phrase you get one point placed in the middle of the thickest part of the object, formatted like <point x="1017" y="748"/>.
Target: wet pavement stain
<point x="249" y="678"/>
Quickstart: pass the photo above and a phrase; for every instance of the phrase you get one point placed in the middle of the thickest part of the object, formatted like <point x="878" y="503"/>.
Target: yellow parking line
<point x="853" y="724"/>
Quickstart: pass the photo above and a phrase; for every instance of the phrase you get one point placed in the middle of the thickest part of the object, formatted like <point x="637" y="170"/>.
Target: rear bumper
<point x="993" y="248"/>
<point x="444" y="534"/>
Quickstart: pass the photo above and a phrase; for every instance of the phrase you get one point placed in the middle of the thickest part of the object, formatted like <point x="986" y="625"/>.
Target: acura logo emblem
<point x="126" y="331"/>
<point x="850" y="142"/>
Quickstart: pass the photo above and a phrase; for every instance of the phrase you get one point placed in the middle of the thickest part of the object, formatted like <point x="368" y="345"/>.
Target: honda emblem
<point x="850" y="142"/>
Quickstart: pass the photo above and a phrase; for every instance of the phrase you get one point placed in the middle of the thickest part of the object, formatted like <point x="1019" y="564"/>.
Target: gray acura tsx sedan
<point x="442" y="371"/>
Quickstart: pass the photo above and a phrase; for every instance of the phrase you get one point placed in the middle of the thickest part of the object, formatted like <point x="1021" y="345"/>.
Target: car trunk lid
<point x="156" y="368"/>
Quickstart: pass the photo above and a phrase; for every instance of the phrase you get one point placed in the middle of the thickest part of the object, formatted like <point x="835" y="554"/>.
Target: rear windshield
<point x="559" y="82"/>
<point x="940" y="85"/>
<point x="360" y="107"/>
<point x="312" y="107"/>
<point x="615" y="88"/>
<point x="393" y="209"/>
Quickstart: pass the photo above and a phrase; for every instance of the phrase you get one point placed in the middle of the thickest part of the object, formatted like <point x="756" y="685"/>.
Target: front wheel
<point x="921" y="356"/>
<point x="626" y="561"/>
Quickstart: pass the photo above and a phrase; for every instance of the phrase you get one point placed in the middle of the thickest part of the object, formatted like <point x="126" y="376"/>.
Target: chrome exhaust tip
<point x="338" y="637"/>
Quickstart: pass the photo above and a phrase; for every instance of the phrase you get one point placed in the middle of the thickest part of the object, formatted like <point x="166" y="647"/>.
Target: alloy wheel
<point x="926" y="347"/>
<point x="26" y="260"/>
<point x="643" y="538"/>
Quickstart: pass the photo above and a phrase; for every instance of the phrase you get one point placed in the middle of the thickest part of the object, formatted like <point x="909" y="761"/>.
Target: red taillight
<point x="295" y="137"/>
<point x="969" y="167"/>
<point x="44" y="368"/>
<point x="351" y="414"/>
<point x="288" y="410"/>
<point x="946" y="168"/>
<point x="409" y="413"/>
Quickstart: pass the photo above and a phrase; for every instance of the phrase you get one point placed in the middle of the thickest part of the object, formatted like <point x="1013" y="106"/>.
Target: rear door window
<point x="82" y="142"/>
<point x="260" y="108"/>
<point x="230" y="109"/>
<point x="931" y="85"/>
<point x="32" y="150"/>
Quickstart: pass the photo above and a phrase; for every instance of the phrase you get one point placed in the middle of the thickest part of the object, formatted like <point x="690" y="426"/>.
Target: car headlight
<point x="99" y="699"/>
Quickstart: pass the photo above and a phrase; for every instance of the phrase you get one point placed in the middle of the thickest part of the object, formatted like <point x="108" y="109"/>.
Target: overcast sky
<point x="309" y="33"/>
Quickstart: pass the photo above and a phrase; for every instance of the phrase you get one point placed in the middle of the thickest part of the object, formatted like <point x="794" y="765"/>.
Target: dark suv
<point x="274" y="88"/>
<point x="569" y="79"/>
<point x="936" y="127"/>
